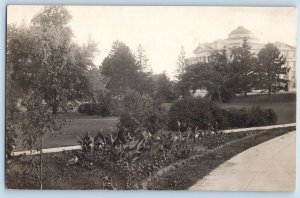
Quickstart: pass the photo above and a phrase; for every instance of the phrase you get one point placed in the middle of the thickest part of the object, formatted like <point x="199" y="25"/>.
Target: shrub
<point x="94" y="109"/>
<point x="256" y="116"/>
<point x="195" y="112"/>
<point x="204" y="114"/>
<point x="141" y="112"/>
<point x="270" y="116"/>
<point x="237" y="118"/>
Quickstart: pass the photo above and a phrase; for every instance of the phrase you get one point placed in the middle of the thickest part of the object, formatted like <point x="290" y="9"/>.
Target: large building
<point x="236" y="38"/>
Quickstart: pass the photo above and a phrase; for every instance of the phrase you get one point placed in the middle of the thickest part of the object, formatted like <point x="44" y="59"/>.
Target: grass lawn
<point x="284" y="105"/>
<point x="74" y="126"/>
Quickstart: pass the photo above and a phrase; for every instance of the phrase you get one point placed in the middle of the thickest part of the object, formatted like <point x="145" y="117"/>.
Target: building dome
<point x="236" y="37"/>
<point x="240" y="30"/>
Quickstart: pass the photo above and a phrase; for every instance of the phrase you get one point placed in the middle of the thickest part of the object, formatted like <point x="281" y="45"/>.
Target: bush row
<point x="204" y="114"/>
<point x="94" y="109"/>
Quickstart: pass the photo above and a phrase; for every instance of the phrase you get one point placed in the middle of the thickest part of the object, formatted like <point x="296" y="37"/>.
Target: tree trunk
<point x="245" y="93"/>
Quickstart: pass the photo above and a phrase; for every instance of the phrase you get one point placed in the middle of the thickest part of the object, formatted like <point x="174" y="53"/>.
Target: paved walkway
<point x="270" y="166"/>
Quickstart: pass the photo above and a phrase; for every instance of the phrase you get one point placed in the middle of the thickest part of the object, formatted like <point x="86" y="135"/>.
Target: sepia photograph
<point x="195" y="98"/>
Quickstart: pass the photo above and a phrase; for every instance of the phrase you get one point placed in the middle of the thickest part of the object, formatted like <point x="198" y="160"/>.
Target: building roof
<point x="284" y="46"/>
<point x="203" y="47"/>
<point x="240" y="30"/>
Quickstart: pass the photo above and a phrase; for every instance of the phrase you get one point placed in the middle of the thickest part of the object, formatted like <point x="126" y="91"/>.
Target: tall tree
<point x="141" y="58"/>
<point x="59" y="65"/>
<point x="271" y="69"/>
<point x="46" y="70"/>
<point x="122" y="69"/>
<point x="243" y="62"/>
<point x="44" y="59"/>
<point x="181" y="63"/>
<point x="144" y="81"/>
<point x="222" y="76"/>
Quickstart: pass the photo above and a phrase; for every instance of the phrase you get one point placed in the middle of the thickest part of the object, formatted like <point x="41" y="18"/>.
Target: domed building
<point x="236" y="38"/>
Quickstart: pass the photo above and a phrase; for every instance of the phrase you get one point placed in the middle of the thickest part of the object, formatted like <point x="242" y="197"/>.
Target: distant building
<point x="235" y="38"/>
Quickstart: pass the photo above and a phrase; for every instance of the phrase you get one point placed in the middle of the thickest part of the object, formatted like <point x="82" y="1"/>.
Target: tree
<point x="46" y="70"/>
<point x="222" y="76"/>
<point x="121" y="67"/>
<point x="216" y="77"/>
<point x="141" y="58"/>
<point x="43" y="58"/>
<point x="21" y="72"/>
<point x="145" y="83"/>
<point x="243" y="62"/>
<point x="181" y="63"/>
<point x="271" y="69"/>
<point x="164" y="88"/>
<point x="97" y="83"/>
<point x="57" y="66"/>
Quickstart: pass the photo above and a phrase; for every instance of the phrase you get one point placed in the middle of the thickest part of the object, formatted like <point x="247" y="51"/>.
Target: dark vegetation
<point x="204" y="114"/>
<point x="94" y="109"/>
<point x="105" y="168"/>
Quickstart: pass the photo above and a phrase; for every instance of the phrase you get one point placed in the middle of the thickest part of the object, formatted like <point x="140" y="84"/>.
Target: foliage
<point x="12" y="112"/>
<point x="87" y="143"/>
<point x="194" y="112"/>
<point x="46" y="71"/>
<point x="141" y="58"/>
<point x="270" y="69"/>
<point x="216" y="76"/>
<point x="94" y="109"/>
<point x="164" y="88"/>
<point x="222" y="77"/>
<point x="243" y="63"/>
<point x="44" y="57"/>
<point x="181" y="63"/>
<point x="97" y="86"/>
<point x="121" y="68"/>
<point x="141" y="112"/>
<point x="237" y="71"/>
<point x="256" y="116"/>
<point x="203" y="114"/>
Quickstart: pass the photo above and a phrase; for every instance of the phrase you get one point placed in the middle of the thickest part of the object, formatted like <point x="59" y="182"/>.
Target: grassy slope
<point x="283" y="104"/>
<point x="75" y="127"/>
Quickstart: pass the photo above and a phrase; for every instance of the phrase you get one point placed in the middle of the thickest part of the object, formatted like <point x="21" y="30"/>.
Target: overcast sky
<point x="163" y="30"/>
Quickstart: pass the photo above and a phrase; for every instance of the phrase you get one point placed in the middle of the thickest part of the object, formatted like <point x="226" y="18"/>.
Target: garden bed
<point x="99" y="171"/>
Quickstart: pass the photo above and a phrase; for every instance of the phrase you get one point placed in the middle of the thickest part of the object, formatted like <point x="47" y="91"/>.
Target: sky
<point x="163" y="30"/>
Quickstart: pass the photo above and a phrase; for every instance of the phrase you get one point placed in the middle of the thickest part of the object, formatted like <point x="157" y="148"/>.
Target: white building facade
<point x="235" y="39"/>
